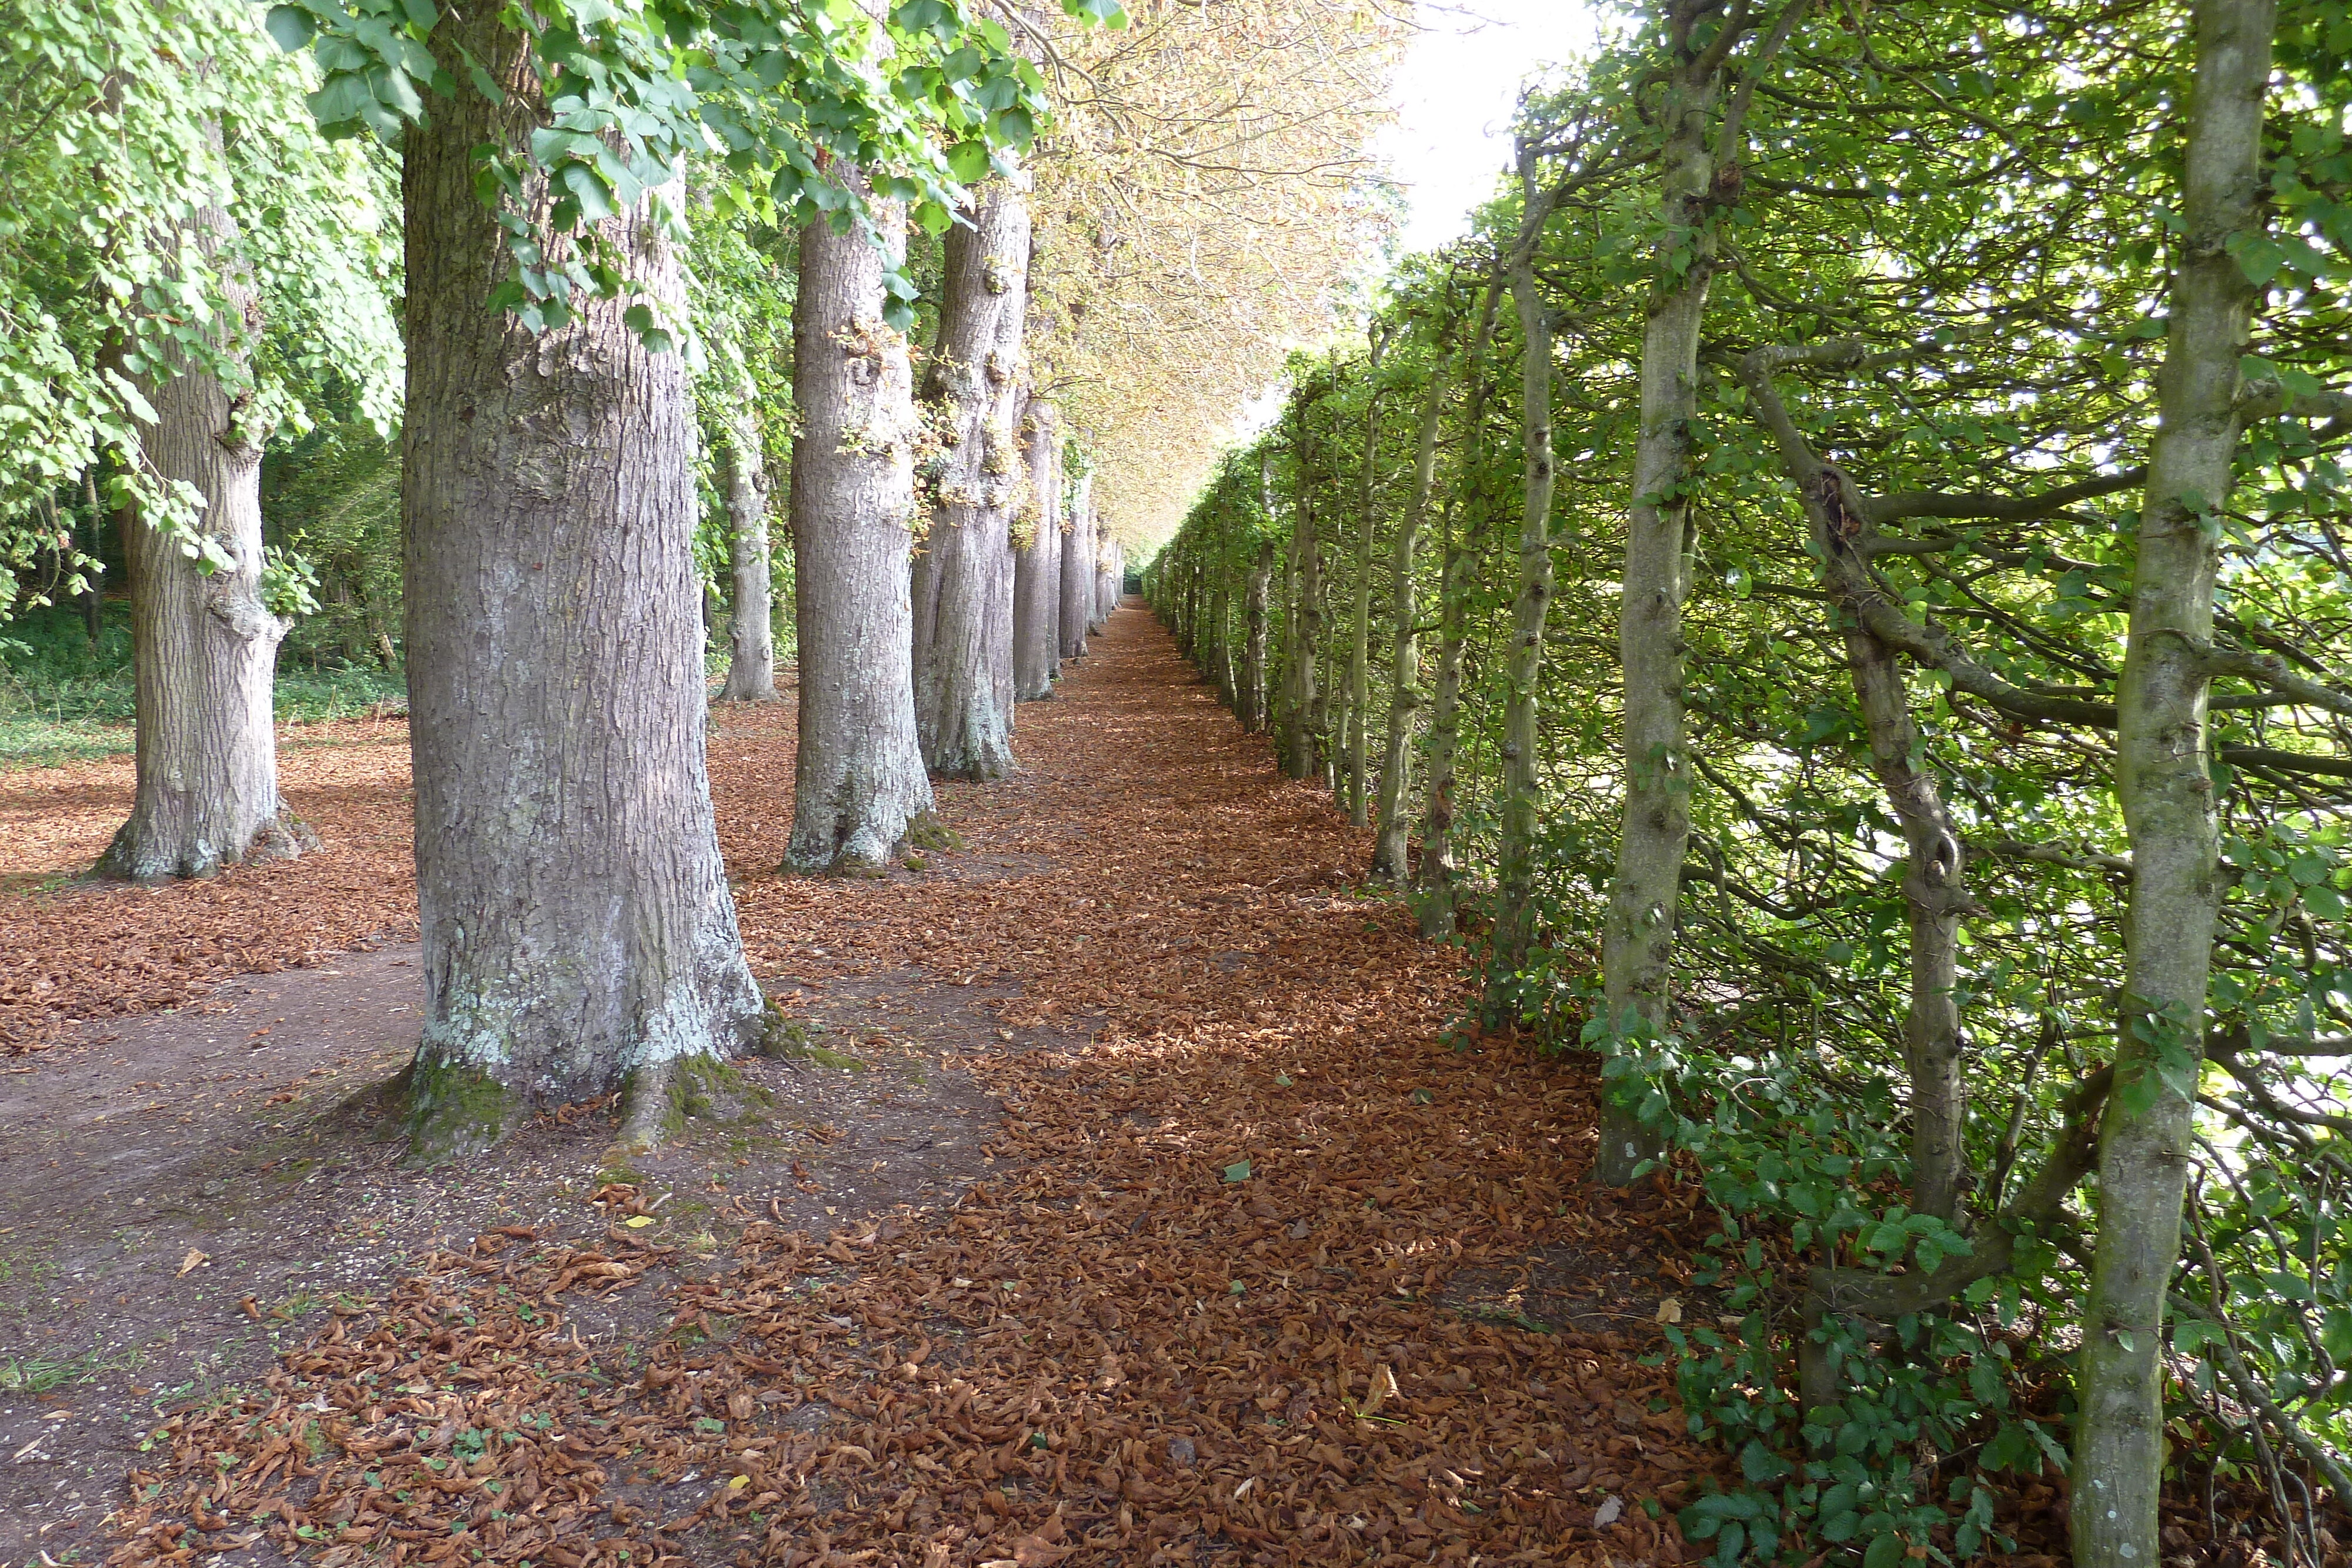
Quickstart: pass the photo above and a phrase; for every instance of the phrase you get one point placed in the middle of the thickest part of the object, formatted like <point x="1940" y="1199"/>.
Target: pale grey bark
<point x="1109" y="565"/>
<point x="1638" y="940"/>
<point x="963" y="569"/>
<point x="1076" y="612"/>
<point x="204" y="648"/>
<point x="1515" y="932"/>
<point x="1037" y="560"/>
<point x="2166" y="795"/>
<point x="1390" y="847"/>
<point x="579" y="933"/>
<point x="858" y="780"/>
<point x="744" y="484"/>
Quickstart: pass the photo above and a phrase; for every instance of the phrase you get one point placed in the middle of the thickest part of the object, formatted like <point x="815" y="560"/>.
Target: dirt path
<point x="1130" y="1209"/>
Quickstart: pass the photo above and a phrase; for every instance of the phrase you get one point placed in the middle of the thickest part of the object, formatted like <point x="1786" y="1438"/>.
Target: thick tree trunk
<point x="1107" y="557"/>
<point x="1462" y="552"/>
<point x="1390" y="848"/>
<point x="2167" y="794"/>
<point x="1076" y="613"/>
<point x="1252" y="708"/>
<point x="579" y="933"/>
<point x="963" y="574"/>
<point x="203" y="649"/>
<point x="1515" y="930"/>
<point x="858" y="783"/>
<point x="1038" y="561"/>
<point x="751" y="624"/>
<point x="1302" y="643"/>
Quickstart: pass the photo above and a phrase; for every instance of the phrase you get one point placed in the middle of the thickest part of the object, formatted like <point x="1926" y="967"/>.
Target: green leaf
<point x="1239" y="1171"/>
<point x="291" y="26"/>
<point x="1885" y="1552"/>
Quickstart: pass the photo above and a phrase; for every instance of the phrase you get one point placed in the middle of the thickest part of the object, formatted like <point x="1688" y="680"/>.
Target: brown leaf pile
<point x="1193" y="1323"/>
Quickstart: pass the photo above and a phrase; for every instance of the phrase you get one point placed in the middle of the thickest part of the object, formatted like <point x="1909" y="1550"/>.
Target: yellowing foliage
<point x="1204" y="191"/>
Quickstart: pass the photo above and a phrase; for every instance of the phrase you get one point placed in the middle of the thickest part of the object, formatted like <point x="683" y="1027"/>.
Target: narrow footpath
<point x="1124" y="1201"/>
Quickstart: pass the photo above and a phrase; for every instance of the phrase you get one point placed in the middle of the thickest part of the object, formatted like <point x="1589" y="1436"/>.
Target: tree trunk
<point x="1462" y="552"/>
<point x="1389" y="849"/>
<point x="751" y="626"/>
<point x="2166" y="795"/>
<point x="579" y="933"/>
<point x="858" y="783"/>
<point x="1037" y="562"/>
<point x="1076" y="612"/>
<point x="1515" y="921"/>
<point x="1303" y="646"/>
<point x="1108" y="555"/>
<point x="1638" y="941"/>
<point x="1252" y="708"/>
<point x="93" y="598"/>
<point x="964" y="575"/>
<point x="203" y="649"/>
<point x="1359" y="644"/>
<point x="1935" y="885"/>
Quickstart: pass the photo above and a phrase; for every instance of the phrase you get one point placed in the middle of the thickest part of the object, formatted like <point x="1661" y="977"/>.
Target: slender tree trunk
<point x="579" y="932"/>
<point x="859" y="783"/>
<point x="1935" y="887"/>
<point x="204" y="648"/>
<point x="2167" y="794"/>
<point x="1252" y="708"/>
<point x="1438" y="916"/>
<point x="1077" y="579"/>
<point x="1037" y="562"/>
<point x="750" y="628"/>
<point x="1515" y="923"/>
<point x="1638" y="942"/>
<point x="963" y="575"/>
<point x="1389" y="849"/>
<point x="1359" y="644"/>
<point x="1303" y="710"/>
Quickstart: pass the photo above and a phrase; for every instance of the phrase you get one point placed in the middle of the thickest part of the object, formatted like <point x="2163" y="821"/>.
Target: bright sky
<point x="1454" y="95"/>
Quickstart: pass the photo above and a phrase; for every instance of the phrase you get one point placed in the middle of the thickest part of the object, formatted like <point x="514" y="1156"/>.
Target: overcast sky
<point x="1453" y="97"/>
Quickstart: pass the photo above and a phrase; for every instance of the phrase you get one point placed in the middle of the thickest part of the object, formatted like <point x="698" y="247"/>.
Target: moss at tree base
<point x="451" y="1109"/>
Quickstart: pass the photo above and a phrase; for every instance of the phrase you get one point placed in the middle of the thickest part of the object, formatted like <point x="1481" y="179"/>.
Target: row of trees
<point x="1859" y="528"/>
<point x="613" y="282"/>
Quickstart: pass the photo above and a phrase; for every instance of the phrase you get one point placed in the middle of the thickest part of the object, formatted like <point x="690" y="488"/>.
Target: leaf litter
<point x="1193" y="1316"/>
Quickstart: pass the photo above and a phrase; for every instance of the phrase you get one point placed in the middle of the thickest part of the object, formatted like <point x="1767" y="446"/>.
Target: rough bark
<point x="1109" y="558"/>
<point x="1461" y="553"/>
<point x="1076" y="613"/>
<point x="1390" y="847"/>
<point x="964" y="571"/>
<point x="204" y="648"/>
<point x="751" y="626"/>
<point x="859" y="785"/>
<point x="1515" y="922"/>
<point x="1252" y="709"/>
<point x="1637" y="943"/>
<point x="2166" y="795"/>
<point x="579" y="934"/>
<point x="1038" y="561"/>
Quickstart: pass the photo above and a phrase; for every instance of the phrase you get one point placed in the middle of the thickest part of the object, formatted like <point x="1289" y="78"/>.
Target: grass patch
<point x="39" y="1374"/>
